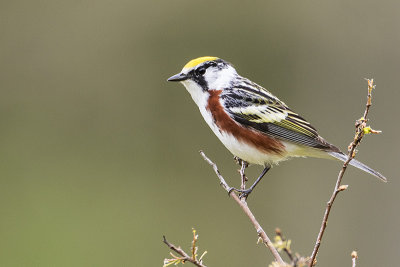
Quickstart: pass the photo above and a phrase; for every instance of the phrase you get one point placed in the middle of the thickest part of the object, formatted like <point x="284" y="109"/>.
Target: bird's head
<point x="206" y="73"/>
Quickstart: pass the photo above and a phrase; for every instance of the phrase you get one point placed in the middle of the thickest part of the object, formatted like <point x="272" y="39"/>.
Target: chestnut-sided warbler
<point x="253" y="124"/>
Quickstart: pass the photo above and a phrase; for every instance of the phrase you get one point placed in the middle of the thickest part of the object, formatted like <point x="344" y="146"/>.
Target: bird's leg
<point x="237" y="160"/>
<point x="244" y="193"/>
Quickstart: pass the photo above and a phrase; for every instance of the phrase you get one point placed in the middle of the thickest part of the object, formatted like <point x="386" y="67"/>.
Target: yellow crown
<point x="194" y="62"/>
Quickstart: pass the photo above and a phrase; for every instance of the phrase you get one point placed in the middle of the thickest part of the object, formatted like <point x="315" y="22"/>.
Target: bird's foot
<point x="243" y="193"/>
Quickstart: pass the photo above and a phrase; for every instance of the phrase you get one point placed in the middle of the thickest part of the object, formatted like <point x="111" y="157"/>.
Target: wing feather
<point x="253" y="106"/>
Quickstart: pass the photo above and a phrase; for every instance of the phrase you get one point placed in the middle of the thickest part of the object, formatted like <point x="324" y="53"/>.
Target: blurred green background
<point x="99" y="154"/>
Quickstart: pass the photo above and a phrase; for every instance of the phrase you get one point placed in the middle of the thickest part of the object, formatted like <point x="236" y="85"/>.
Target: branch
<point x="354" y="257"/>
<point x="242" y="175"/>
<point x="361" y="130"/>
<point x="243" y="204"/>
<point x="286" y="246"/>
<point x="185" y="257"/>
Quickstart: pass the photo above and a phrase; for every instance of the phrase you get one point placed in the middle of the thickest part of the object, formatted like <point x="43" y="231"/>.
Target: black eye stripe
<point x="199" y="79"/>
<point x="197" y="74"/>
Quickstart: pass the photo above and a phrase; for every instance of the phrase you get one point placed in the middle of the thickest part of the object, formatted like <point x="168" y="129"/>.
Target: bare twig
<point x="354" y="257"/>
<point x="369" y="96"/>
<point x="287" y="249"/>
<point x="243" y="204"/>
<point x="283" y="244"/>
<point x="360" y="125"/>
<point x="242" y="174"/>
<point x="185" y="257"/>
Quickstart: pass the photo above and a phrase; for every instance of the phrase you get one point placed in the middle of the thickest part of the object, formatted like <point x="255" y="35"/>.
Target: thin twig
<point x="243" y="204"/>
<point x="243" y="175"/>
<point x="185" y="257"/>
<point x="369" y="96"/>
<point x="354" y="257"/>
<point x="287" y="250"/>
<point x="360" y="124"/>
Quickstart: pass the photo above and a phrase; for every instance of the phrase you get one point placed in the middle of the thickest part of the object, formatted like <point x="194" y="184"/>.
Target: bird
<point x="253" y="124"/>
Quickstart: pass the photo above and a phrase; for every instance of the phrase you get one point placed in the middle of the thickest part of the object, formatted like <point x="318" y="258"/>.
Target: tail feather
<point x="356" y="163"/>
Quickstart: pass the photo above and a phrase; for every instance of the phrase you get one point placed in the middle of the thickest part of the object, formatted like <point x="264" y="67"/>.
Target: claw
<point x="242" y="193"/>
<point x="245" y="193"/>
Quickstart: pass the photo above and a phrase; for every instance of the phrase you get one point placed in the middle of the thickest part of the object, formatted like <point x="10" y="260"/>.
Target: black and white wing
<point x="253" y="106"/>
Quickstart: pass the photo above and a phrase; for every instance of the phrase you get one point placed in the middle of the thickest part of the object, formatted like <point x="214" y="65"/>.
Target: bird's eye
<point x="201" y="71"/>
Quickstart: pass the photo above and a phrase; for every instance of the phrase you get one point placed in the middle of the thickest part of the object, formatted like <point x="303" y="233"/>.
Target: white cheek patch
<point x="210" y="76"/>
<point x="218" y="79"/>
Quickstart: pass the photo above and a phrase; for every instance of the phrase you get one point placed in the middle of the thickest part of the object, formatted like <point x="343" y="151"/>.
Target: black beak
<point x="178" y="77"/>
